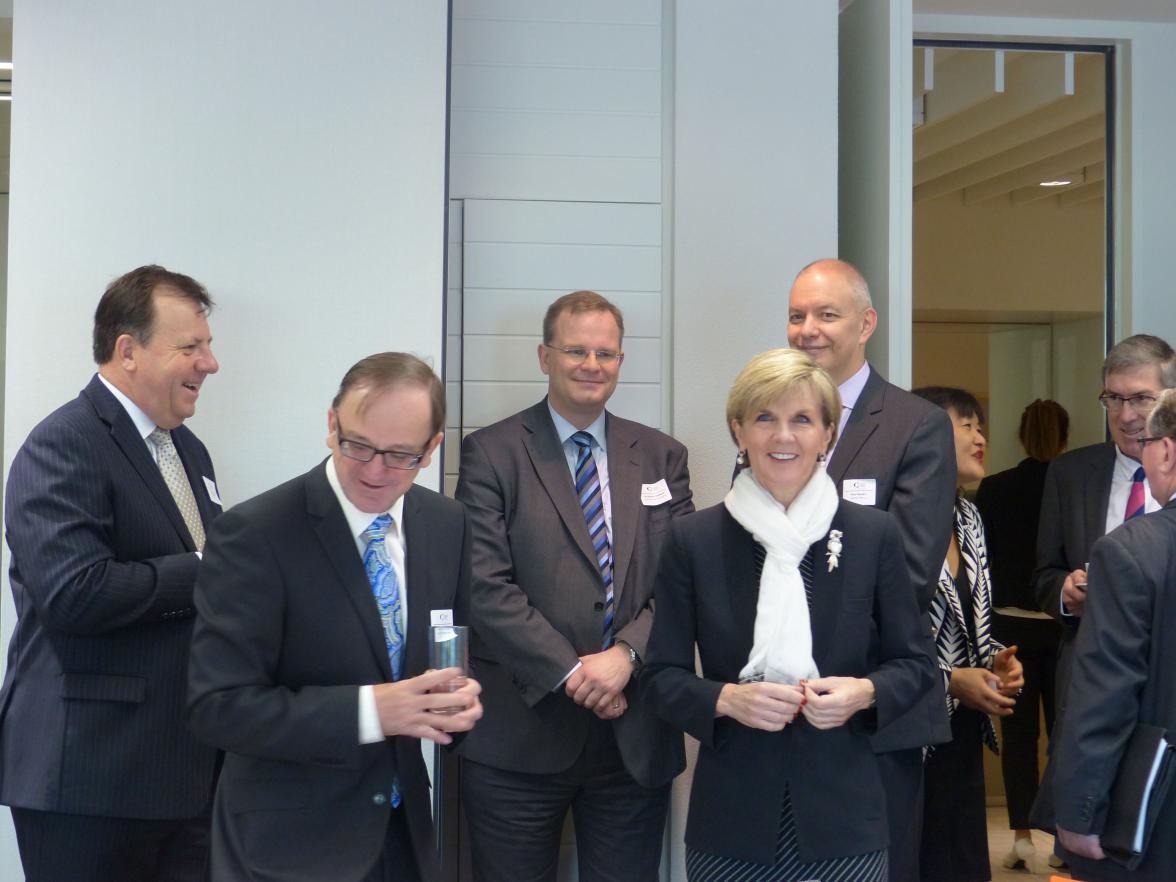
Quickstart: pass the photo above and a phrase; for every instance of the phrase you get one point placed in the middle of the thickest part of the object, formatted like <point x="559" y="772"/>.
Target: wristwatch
<point x="634" y="658"/>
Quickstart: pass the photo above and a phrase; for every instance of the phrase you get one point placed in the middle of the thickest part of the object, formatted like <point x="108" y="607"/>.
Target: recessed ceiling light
<point x="1055" y="183"/>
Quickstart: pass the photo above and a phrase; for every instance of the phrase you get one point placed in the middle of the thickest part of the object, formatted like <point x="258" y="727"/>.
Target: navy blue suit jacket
<point x="102" y="572"/>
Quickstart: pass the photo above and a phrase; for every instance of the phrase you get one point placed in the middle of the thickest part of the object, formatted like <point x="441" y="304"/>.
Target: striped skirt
<point x="703" y="867"/>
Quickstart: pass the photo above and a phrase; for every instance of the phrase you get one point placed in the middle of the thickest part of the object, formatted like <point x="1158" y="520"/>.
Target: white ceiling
<point x="1119" y="10"/>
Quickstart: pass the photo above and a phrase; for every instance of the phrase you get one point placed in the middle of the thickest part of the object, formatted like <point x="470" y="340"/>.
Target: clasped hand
<point x="826" y="702"/>
<point x="411" y="707"/>
<point x="598" y="684"/>
<point x="990" y="692"/>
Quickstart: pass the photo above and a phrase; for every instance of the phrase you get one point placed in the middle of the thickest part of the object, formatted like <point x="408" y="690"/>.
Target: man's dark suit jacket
<point x="537" y="597"/>
<point x="865" y="622"/>
<point x="1124" y="672"/>
<point x="1073" y="517"/>
<point x="287" y="631"/>
<point x="907" y="446"/>
<point x="103" y="567"/>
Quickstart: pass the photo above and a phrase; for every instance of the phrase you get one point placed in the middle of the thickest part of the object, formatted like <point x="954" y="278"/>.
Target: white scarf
<point x="783" y="647"/>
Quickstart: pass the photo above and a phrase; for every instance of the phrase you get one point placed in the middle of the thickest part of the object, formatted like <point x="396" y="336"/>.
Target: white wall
<point x="290" y="157"/>
<point x="754" y="197"/>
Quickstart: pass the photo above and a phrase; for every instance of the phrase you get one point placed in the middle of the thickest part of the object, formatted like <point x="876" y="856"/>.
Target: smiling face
<point x="970" y="446"/>
<point x="783" y="441"/>
<point x="827" y="321"/>
<point x="396" y="418"/>
<point x="1127" y="423"/>
<point x="163" y="376"/>
<point x="578" y="390"/>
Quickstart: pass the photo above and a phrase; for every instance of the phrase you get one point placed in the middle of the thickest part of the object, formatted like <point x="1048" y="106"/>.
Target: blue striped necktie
<point x="386" y="589"/>
<point x="1136" y="503"/>
<point x="592" y="505"/>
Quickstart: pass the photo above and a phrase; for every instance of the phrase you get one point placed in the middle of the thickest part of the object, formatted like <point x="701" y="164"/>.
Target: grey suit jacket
<point x="1124" y="673"/>
<point x="907" y="447"/>
<point x="537" y="597"/>
<point x="287" y="631"/>
<point x="102" y="572"/>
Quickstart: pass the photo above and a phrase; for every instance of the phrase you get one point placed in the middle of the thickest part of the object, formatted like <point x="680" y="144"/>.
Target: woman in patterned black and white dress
<point x="981" y="678"/>
<point x="801" y="611"/>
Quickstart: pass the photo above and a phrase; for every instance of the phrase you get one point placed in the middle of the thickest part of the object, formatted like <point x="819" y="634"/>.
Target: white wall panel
<point x="613" y="11"/>
<point x="523" y="133"/>
<point x="479" y="86"/>
<point x="556" y="43"/>
<point x="583" y="178"/>
<point x="578" y="223"/>
<point x="511" y="265"/>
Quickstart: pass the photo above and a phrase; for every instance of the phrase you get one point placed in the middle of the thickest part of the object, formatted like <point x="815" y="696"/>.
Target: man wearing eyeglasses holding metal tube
<point x="1091" y="491"/>
<point x="570" y="507"/>
<point x="310" y="649"/>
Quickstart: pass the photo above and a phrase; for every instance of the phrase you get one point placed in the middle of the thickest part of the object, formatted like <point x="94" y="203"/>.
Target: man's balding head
<point x="830" y="316"/>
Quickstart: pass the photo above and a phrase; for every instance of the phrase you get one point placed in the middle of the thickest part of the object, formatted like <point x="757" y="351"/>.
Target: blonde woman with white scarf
<point x="800" y="608"/>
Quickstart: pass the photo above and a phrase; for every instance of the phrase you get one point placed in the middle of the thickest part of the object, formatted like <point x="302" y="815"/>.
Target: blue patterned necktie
<point x="592" y="505"/>
<point x="386" y="588"/>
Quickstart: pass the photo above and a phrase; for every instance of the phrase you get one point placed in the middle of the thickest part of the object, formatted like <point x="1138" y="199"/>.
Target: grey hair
<point x="1161" y="423"/>
<point x="1142" y="350"/>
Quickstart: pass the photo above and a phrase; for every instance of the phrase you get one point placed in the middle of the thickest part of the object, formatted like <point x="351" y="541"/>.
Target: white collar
<point x="142" y="422"/>
<point x="358" y="521"/>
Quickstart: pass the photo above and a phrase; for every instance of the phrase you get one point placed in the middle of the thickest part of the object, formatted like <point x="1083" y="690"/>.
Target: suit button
<point x="379" y="798"/>
<point x="598" y="606"/>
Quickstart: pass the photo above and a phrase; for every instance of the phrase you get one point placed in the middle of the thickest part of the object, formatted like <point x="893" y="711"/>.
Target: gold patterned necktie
<point x="176" y="479"/>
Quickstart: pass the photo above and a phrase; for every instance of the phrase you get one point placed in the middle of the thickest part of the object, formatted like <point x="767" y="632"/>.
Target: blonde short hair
<point x="778" y="372"/>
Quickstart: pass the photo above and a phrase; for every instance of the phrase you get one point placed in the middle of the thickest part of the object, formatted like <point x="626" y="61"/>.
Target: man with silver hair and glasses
<point x="1091" y="491"/>
<point x="1124" y="669"/>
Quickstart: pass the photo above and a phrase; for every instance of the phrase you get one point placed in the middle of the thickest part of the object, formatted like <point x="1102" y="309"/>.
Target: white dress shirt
<point x="370" y="730"/>
<point x="1121" y="481"/>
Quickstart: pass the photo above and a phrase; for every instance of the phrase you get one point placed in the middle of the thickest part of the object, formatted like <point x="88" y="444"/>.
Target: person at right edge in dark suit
<point x="896" y="452"/>
<point x="1088" y="492"/>
<point x="1124" y="670"/>
<point x="108" y="501"/>
<point x="569" y="506"/>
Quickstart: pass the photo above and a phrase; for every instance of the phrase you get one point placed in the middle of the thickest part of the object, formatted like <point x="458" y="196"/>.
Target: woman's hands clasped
<point x="990" y="692"/>
<point x="826" y="702"/>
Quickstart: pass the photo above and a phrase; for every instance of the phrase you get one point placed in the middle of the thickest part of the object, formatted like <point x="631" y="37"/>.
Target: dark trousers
<point x="1037" y="648"/>
<point x="902" y="779"/>
<point x="515" y="818"/>
<point x="396" y="863"/>
<point x="86" y="848"/>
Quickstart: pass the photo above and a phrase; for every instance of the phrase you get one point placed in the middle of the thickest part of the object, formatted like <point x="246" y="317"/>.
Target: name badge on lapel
<point x="655" y="494"/>
<point x="863" y="491"/>
<point x="210" y="486"/>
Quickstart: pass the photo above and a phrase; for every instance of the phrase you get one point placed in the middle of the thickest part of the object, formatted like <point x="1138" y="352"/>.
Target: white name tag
<point x="210" y="486"/>
<point x="863" y="491"/>
<point x="655" y="494"/>
<point x="440" y="617"/>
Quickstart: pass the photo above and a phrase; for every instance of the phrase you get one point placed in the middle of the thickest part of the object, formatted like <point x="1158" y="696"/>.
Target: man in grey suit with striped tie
<point x="570" y="507"/>
<point x="107" y="505"/>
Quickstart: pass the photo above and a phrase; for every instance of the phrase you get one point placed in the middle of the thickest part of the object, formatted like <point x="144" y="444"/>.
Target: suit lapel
<point x="551" y="467"/>
<point x="134" y="448"/>
<point x="416" y="548"/>
<point x="863" y="422"/>
<point x="828" y="586"/>
<point x="330" y="526"/>
<point x="742" y="584"/>
<point x="624" y="478"/>
<point x="1098" y="492"/>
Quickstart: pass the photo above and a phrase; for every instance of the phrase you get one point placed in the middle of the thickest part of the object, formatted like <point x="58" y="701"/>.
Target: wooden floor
<point x="1000" y="841"/>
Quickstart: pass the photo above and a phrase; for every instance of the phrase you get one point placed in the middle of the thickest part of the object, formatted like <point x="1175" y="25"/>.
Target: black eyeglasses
<point x="578" y="354"/>
<point x="357" y="450"/>
<point x="1141" y="403"/>
<point x="1143" y="442"/>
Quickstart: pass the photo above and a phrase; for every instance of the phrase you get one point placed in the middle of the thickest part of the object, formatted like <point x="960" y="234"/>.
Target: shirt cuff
<point x="1062" y="608"/>
<point x="559" y="685"/>
<point x="370" y="731"/>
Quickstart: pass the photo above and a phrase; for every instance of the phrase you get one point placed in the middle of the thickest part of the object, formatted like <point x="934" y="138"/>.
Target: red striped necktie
<point x="1135" y="501"/>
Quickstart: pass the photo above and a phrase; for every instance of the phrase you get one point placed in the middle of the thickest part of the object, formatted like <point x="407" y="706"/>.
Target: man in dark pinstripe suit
<point x="107" y="504"/>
